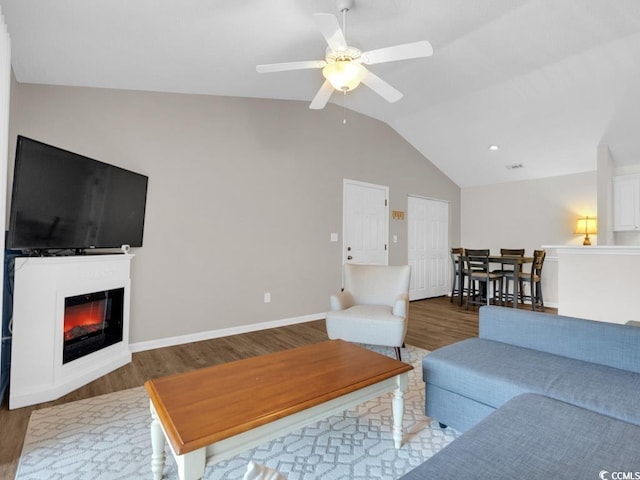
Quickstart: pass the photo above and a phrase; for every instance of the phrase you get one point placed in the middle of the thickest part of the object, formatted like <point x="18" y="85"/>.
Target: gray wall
<point x="243" y="195"/>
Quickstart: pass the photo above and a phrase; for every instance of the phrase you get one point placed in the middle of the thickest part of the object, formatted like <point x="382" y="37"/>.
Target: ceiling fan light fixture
<point x="344" y="75"/>
<point x="343" y="66"/>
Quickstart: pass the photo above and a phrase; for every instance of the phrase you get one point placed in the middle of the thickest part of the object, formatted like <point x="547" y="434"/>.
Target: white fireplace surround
<point x="41" y="285"/>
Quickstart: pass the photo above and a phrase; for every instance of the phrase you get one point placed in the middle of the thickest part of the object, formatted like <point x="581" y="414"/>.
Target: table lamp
<point x="587" y="226"/>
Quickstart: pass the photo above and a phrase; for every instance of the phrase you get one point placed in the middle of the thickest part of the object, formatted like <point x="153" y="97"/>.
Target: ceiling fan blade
<point x="282" y="67"/>
<point x="331" y="31"/>
<point x="381" y="87"/>
<point x="322" y="97"/>
<point x="398" y="52"/>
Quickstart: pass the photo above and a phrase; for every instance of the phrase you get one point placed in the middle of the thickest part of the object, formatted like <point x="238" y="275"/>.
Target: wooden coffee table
<point x="217" y="412"/>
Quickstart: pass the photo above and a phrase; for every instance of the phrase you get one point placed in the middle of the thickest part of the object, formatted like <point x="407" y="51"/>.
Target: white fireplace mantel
<point x="41" y="285"/>
<point x="598" y="282"/>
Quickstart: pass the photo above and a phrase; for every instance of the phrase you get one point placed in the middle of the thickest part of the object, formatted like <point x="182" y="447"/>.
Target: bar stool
<point x="508" y="273"/>
<point x="457" y="274"/>
<point x="477" y="271"/>
<point x="534" y="279"/>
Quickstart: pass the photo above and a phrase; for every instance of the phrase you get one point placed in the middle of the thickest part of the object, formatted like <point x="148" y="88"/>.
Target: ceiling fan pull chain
<point x="344" y="108"/>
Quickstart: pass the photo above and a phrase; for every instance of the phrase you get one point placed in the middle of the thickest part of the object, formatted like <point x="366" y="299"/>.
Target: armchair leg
<point x="398" y="356"/>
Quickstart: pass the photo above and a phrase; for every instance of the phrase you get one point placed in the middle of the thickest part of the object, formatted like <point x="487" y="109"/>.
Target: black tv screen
<point x="63" y="200"/>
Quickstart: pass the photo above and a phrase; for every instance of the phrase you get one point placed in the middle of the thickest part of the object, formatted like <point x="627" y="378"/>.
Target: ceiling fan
<point x="343" y="67"/>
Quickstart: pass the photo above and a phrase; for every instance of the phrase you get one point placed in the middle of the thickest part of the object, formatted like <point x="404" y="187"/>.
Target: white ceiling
<point x="547" y="80"/>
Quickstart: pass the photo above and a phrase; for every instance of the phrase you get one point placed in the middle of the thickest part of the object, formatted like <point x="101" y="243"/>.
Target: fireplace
<point x="92" y="322"/>
<point x="70" y="323"/>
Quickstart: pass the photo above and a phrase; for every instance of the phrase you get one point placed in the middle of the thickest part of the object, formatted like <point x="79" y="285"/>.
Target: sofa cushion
<point x="533" y="437"/>
<point x="492" y="373"/>
<point x="605" y="343"/>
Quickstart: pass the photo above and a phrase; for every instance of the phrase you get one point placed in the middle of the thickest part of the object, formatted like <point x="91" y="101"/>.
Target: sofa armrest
<point x="341" y="300"/>
<point x="401" y="305"/>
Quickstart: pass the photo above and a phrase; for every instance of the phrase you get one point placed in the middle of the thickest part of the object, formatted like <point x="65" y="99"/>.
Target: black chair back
<point x="538" y="261"/>
<point x="476" y="260"/>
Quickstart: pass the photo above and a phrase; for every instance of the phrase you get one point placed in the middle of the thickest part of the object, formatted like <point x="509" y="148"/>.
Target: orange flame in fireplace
<point x="83" y="319"/>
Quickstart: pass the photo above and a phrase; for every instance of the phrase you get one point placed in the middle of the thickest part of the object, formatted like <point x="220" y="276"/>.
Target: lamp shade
<point x="344" y="75"/>
<point x="587" y="226"/>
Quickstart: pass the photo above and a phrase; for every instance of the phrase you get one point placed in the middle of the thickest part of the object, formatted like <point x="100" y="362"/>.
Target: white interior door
<point x="428" y="247"/>
<point x="365" y="223"/>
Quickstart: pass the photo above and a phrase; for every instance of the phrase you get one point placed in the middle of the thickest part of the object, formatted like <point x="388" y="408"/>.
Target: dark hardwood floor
<point x="433" y="323"/>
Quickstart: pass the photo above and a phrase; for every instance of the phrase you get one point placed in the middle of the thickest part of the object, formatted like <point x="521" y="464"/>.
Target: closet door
<point x="428" y="247"/>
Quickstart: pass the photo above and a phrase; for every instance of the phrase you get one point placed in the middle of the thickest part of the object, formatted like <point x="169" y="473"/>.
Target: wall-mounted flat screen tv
<point x="62" y="200"/>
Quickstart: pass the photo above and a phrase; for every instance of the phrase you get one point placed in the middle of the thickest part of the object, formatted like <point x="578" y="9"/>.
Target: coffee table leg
<point x="157" y="446"/>
<point x="191" y="465"/>
<point x="398" y="409"/>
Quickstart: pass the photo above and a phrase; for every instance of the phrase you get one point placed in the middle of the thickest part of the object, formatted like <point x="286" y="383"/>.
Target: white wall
<point x="529" y="214"/>
<point x="243" y="196"/>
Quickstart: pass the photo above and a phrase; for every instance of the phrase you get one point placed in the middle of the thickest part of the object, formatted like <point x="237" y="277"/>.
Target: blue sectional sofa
<point x="594" y="365"/>
<point x="534" y="385"/>
<point x="536" y="437"/>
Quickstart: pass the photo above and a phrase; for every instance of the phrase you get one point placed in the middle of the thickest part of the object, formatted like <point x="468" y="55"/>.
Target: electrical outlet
<point x="267" y="297"/>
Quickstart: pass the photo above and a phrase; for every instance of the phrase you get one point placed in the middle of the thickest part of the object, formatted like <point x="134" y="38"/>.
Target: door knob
<point x="349" y="257"/>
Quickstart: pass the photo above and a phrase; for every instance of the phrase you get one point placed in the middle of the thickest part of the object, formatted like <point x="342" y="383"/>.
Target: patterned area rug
<point x="107" y="437"/>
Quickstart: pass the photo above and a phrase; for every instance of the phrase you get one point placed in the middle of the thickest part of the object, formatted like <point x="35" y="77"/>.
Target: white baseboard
<point x="223" y="332"/>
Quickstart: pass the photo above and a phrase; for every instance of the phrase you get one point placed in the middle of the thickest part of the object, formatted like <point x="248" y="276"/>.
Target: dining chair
<point x="457" y="274"/>
<point x="534" y="279"/>
<point x="508" y="272"/>
<point x="477" y="271"/>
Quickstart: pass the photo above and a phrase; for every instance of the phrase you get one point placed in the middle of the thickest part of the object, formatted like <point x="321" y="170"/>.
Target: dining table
<point x="515" y="260"/>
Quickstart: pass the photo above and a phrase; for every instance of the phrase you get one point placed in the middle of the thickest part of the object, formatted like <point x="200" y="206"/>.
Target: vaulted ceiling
<point x="546" y="80"/>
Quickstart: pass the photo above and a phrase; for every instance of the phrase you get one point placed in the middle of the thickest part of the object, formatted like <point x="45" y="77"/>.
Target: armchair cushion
<point x="369" y="324"/>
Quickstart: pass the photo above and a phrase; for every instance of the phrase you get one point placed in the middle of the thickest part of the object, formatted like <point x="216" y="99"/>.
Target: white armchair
<point x="373" y="307"/>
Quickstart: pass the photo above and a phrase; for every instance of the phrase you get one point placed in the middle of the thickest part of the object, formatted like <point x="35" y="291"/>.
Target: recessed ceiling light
<point x="493" y="148"/>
